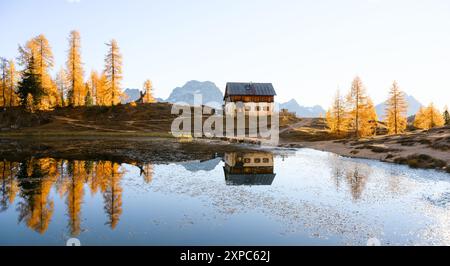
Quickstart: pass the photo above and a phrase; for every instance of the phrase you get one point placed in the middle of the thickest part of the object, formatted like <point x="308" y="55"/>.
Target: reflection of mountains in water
<point x="248" y="168"/>
<point x="196" y="166"/>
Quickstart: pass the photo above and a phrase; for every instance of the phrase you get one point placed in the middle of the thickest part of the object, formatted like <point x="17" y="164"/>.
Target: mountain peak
<point x="413" y="107"/>
<point x="211" y="94"/>
<point x="292" y="101"/>
<point x="303" y="111"/>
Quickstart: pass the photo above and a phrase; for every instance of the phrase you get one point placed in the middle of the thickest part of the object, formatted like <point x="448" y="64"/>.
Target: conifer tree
<point x="336" y="116"/>
<point x="44" y="61"/>
<point x="77" y="90"/>
<point x="428" y="117"/>
<point x="63" y="86"/>
<point x="3" y="74"/>
<point x="113" y="71"/>
<point x="88" y="101"/>
<point x="37" y="55"/>
<point x="30" y="85"/>
<point x="98" y="84"/>
<point x="361" y="112"/>
<point x="12" y="84"/>
<point x="148" y="90"/>
<point x="396" y="107"/>
<point x="446" y="117"/>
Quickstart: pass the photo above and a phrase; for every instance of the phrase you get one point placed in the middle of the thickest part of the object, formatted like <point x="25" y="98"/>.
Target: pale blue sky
<point x="305" y="48"/>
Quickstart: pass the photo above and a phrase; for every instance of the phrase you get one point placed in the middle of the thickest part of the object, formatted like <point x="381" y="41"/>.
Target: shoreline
<point x="419" y="157"/>
<point x="159" y="147"/>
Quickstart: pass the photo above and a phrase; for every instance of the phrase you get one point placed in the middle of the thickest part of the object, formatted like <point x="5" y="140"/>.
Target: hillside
<point x="143" y="118"/>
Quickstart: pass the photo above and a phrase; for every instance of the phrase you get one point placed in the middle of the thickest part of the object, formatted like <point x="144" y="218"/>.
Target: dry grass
<point x="422" y="161"/>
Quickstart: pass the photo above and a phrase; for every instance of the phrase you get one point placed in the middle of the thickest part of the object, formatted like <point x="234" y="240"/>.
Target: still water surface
<point x="297" y="197"/>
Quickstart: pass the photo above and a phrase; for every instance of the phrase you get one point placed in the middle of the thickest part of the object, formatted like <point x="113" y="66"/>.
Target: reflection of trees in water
<point x="147" y="172"/>
<point x="113" y="196"/>
<point x="9" y="186"/>
<point x="33" y="179"/>
<point x="36" y="178"/>
<point x="353" y="174"/>
<point x="77" y="174"/>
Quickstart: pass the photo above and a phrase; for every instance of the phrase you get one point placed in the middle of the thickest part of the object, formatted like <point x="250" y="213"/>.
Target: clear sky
<point x="307" y="49"/>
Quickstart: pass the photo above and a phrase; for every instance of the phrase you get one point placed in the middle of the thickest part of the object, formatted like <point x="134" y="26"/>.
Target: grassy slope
<point x="122" y="120"/>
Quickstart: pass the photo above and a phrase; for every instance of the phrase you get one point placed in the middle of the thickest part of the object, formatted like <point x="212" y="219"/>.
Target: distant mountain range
<point x="303" y="111"/>
<point x="413" y="106"/>
<point x="213" y="96"/>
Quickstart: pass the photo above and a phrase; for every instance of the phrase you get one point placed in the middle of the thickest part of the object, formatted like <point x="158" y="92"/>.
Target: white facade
<point x="250" y="108"/>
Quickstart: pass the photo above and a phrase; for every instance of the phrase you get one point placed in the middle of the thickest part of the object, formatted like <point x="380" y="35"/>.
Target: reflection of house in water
<point x="249" y="168"/>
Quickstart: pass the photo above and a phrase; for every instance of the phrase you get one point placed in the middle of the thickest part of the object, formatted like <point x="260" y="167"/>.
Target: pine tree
<point x="75" y="71"/>
<point x="30" y="85"/>
<point x="396" y="107"/>
<point x="361" y="112"/>
<point x="113" y="71"/>
<point x="148" y="90"/>
<point x="428" y="117"/>
<point x="446" y="117"/>
<point x="336" y="116"/>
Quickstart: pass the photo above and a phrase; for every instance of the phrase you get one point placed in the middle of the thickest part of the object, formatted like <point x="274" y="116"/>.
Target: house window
<point x="247" y="160"/>
<point x="257" y="160"/>
<point x="265" y="160"/>
<point x="266" y="108"/>
<point x="247" y="108"/>
<point x="258" y="108"/>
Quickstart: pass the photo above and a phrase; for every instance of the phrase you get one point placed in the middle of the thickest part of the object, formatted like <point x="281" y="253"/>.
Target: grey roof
<point x="242" y="88"/>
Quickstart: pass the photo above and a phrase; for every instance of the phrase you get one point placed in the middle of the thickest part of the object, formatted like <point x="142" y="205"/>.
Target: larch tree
<point x="148" y="90"/>
<point x="446" y="116"/>
<point x="63" y="86"/>
<point x="428" y="117"/>
<point x="88" y="99"/>
<point x="3" y="76"/>
<point x="336" y="116"/>
<point x="12" y="84"/>
<point x="93" y="84"/>
<point x="361" y="112"/>
<point x="99" y="88"/>
<point x="396" y="108"/>
<point x="77" y="89"/>
<point x="369" y="119"/>
<point x="113" y="71"/>
<point x="43" y="56"/>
